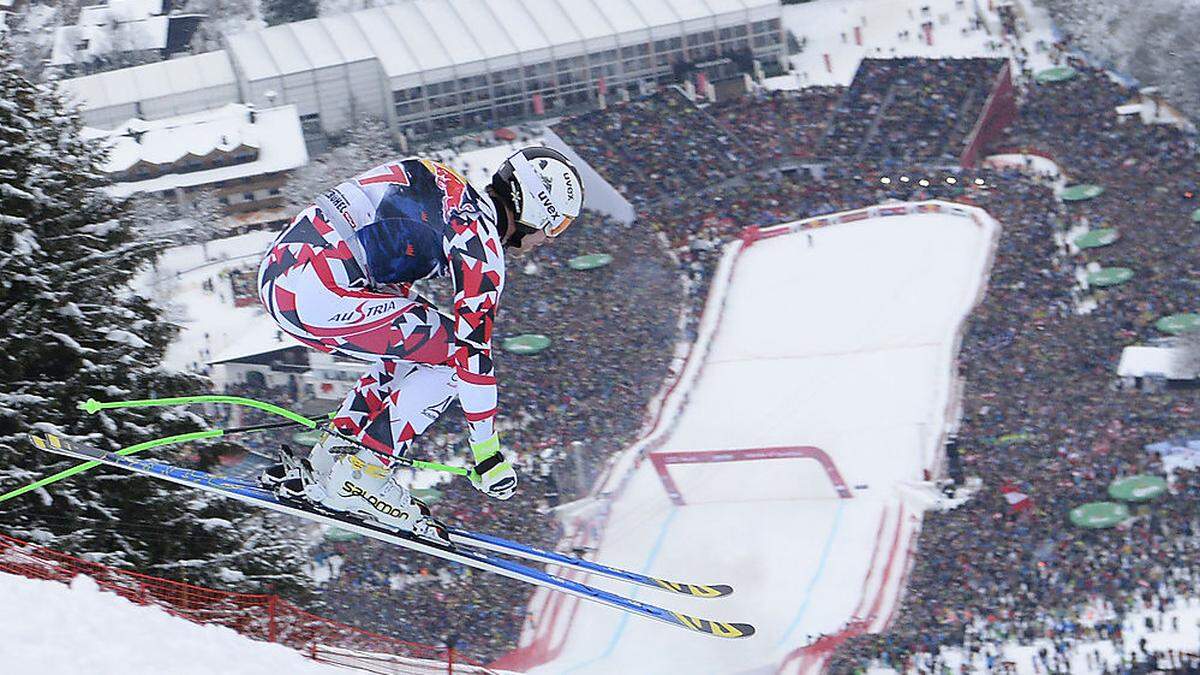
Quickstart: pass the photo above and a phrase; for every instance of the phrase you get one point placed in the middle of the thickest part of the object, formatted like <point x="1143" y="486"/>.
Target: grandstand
<point x="913" y="109"/>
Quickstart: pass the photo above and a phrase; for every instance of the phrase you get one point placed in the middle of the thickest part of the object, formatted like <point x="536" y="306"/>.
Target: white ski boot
<point x="352" y="480"/>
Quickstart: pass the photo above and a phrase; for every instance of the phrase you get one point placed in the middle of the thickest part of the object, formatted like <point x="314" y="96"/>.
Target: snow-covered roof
<point x="263" y="338"/>
<point x="275" y="135"/>
<point x="119" y="10"/>
<point x="153" y="80"/>
<point x="425" y="35"/>
<point x="112" y="26"/>
<point x="83" y="43"/>
<point x="170" y="140"/>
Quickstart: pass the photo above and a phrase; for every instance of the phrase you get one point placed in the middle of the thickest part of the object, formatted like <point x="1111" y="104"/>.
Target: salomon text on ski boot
<point x="353" y="481"/>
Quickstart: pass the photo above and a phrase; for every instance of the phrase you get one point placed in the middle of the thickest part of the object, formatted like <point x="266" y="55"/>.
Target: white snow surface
<point x="51" y="628"/>
<point x="860" y="364"/>
<point x="211" y="323"/>
<point x="828" y="26"/>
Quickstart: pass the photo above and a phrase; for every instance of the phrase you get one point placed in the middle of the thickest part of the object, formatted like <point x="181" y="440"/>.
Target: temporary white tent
<point x="1170" y="363"/>
<point x="155" y="90"/>
<point x="441" y="56"/>
<point x="325" y="65"/>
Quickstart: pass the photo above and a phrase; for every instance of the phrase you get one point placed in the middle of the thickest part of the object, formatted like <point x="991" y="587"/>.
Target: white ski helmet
<point x="544" y="187"/>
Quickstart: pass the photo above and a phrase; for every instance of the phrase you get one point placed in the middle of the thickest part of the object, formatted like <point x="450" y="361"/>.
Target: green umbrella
<point x="1097" y="238"/>
<point x="306" y="439"/>
<point x="1137" y="488"/>
<point x="1196" y="216"/>
<point x="338" y="534"/>
<point x="427" y="495"/>
<point x="590" y="261"/>
<point x="1077" y="193"/>
<point x="1099" y="514"/>
<point x="1176" y="324"/>
<point x="1110" y="276"/>
<point x="530" y="343"/>
<point x="1008" y="439"/>
<point x="1058" y="74"/>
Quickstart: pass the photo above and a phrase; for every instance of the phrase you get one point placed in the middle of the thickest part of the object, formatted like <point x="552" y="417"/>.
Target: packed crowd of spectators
<point x="1033" y="363"/>
<point x="777" y="126"/>
<point x="910" y="109"/>
<point x="656" y="146"/>
<point x="243" y="285"/>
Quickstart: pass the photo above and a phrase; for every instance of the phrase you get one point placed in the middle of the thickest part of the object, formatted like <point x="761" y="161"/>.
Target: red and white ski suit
<point x="339" y="279"/>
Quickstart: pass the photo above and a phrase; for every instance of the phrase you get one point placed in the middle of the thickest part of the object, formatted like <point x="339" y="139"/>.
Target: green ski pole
<point x="94" y="406"/>
<point x="80" y="468"/>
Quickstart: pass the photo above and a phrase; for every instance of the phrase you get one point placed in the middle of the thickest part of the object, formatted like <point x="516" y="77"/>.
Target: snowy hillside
<point x="813" y="548"/>
<point x="189" y="282"/>
<point x="54" y="629"/>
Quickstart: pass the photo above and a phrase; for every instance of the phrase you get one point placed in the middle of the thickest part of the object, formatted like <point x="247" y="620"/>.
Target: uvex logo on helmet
<point x="569" y="181"/>
<point x="544" y="197"/>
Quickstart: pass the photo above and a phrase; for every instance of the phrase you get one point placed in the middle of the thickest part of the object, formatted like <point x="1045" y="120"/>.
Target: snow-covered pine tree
<point x="1148" y="40"/>
<point x="71" y="328"/>
<point x="276" y="12"/>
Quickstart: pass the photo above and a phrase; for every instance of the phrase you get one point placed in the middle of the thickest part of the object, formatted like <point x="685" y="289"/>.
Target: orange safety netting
<point x="261" y="617"/>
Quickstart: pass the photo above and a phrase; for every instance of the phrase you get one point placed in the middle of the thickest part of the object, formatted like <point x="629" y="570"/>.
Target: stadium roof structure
<point x="153" y="80"/>
<point x="435" y="65"/>
<point x="421" y="36"/>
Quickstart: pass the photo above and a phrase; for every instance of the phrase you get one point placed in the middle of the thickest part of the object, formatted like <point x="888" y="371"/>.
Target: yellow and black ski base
<point x="509" y="547"/>
<point x="695" y="590"/>
<point x="714" y="628"/>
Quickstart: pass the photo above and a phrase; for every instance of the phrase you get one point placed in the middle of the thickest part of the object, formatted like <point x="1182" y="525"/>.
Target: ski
<point x="478" y="559"/>
<point x="509" y="547"/>
<point x="502" y="545"/>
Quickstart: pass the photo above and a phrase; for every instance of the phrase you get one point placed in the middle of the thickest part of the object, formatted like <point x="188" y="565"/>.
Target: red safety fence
<point x="260" y="617"/>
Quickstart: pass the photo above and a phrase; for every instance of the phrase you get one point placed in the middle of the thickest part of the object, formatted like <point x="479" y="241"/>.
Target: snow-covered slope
<point x="50" y="628"/>
<point x="209" y="319"/>
<point x="841" y="338"/>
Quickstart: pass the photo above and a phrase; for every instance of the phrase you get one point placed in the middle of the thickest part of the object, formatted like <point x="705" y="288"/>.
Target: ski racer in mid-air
<point x="339" y="279"/>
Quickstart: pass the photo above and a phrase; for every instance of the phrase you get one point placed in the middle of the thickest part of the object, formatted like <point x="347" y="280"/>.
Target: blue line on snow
<point x="654" y="551"/>
<point x="812" y="583"/>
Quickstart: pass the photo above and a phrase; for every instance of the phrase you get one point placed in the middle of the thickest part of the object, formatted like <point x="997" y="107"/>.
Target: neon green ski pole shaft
<point x="80" y="468"/>
<point x="94" y="406"/>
